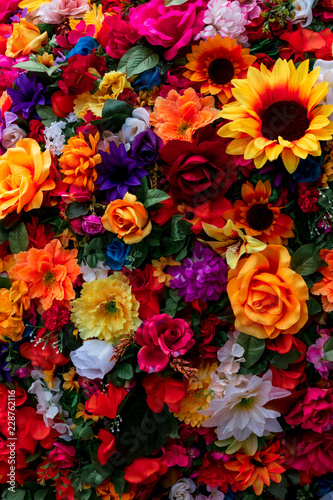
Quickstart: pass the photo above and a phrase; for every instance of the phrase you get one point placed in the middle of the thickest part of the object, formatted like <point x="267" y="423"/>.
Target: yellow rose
<point x="26" y="38"/>
<point x="24" y="172"/>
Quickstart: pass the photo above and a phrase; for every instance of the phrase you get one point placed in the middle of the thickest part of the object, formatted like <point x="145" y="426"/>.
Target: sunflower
<point x="276" y="112"/>
<point x="258" y="217"/>
<point x="215" y="62"/>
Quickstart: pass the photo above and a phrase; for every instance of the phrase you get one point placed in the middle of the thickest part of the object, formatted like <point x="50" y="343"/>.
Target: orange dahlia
<point x="179" y="116"/>
<point x="49" y="273"/>
<point x="278" y="113"/>
<point x="258" y="217"/>
<point x="215" y="62"/>
<point x="79" y="159"/>
<point x="259" y="469"/>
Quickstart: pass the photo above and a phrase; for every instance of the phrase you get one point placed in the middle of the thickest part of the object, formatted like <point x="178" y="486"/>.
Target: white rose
<point x="11" y="135"/>
<point x="100" y="272"/>
<point x="326" y="75"/>
<point x="92" y="360"/>
<point x="182" y="490"/>
<point x="302" y="12"/>
<point x="138" y="123"/>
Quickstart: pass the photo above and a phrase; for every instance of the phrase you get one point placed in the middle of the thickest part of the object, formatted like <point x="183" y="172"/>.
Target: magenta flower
<point x="314" y="411"/>
<point x="315" y="354"/>
<point x="161" y="337"/>
<point x="62" y="455"/>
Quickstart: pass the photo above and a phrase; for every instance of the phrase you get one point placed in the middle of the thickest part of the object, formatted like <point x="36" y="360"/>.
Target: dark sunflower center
<point x="256" y="462"/>
<point x="259" y="217"/>
<point x="221" y="71"/>
<point x="287" y="119"/>
<point x="189" y="216"/>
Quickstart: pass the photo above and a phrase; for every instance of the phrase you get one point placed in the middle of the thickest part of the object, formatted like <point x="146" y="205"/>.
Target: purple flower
<point x="92" y="224"/>
<point x="204" y="277"/>
<point x="4" y="370"/>
<point x="117" y="173"/>
<point x="28" y="96"/>
<point x="145" y="147"/>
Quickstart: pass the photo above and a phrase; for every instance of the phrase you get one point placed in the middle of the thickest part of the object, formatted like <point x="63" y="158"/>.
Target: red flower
<point x="36" y="130"/>
<point x="314" y="411"/>
<point x="162" y="391"/>
<point x="214" y="473"/>
<point x="5" y="30"/>
<point x="147" y="290"/>
<point x="145" y="470"/>
<point x="294" y="374"/>
<point x="62" y="455"/>
<point x="107" y="447"/>
<point x="56" y="318"/>
<point x="307" y="199"/>
<point x="116" y="36"/>
<point x="62" y="103"/>
<point x="39" y="235"/>
<point x="31" y="428"/>
<point x="198" y="171"/>
<point x="106" y="405"/>
<point x="42" y="353"/>
<point x="324" y="9"/>
<point x="314" y="454"/>
<point x="299" y="42"/>
<point x="77" y="78"/>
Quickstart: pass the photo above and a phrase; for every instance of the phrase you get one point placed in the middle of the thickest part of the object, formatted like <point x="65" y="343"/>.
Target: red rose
<point x="116" y="36"/>
<point x="36" y="130"/>
<point x="147" y="290"/>
<point x="314" y="411"/>
<point x="162" y="391"/>
<point x="78" y="78"/>
<point x="62" y="455"/>
<point x="161" y="337"/>
<point x="62" y="104"/>
<point x="199" y="171"/>
<point x="145" y="470"/>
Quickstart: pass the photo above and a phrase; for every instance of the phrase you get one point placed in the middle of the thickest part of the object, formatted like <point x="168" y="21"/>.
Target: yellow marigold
<point x="106" y="309"/>
<point x="198" y="396"/>
<point x="70" y="383"/>
<point x="79" y="159"/>
<point x="12" y="304"/>
<point x="46" y="59"/>
<point x="26" y="38"/>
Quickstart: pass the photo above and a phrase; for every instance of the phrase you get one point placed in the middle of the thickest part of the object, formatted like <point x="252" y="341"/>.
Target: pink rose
<point x="57" y="10"/>
<point x="62" y="455"/>
<point x="315" y="354"/>
<point x="92" y="225"/>
<point x="314" y="454"/>
<point x="117" y="36"/>
<point x="173" y="27"/>
<point x="161" y="337"/>
<point x="314" y="411"/>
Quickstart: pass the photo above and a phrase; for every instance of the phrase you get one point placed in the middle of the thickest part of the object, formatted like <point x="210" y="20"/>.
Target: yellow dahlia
<point x="215" y="62"/>
<point x="106" y="309"/>
<point x="277" y="113"/>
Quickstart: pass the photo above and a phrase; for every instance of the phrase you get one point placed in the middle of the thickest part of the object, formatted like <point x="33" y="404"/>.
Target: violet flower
<point x="28" y="96"/>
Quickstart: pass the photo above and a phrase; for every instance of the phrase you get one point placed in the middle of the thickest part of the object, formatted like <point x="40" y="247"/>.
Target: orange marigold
<point x="49" y="273"/>
<point x="259" y="469"/>
<point x="179" y="116"/>
<point x="79" y="159"/>
<point x="324" y="287"/>
<point x="12" y="304"/>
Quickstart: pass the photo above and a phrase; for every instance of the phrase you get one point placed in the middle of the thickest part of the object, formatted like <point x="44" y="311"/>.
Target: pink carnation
<point x="161" y="337"/>
<point x="314" y="411"/>
<point x="315" y="354"/>
<point x="174" y="26"/>
<point x="117" y="36"/>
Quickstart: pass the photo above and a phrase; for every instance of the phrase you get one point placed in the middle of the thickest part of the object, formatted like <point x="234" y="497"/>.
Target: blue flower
<point x="83" y="47"/>
<point x="29" y="94"/>
<point x="116" y="254"/>
<point x="308" y="170"/>
<point x="147" y="80"/>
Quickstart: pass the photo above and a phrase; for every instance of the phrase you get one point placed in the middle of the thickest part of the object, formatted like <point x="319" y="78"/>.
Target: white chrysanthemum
<point x="225" y="17"/>
<point x="54" y="138"/>
<point x="182" y="490"/>
<point x="242" y="411"/>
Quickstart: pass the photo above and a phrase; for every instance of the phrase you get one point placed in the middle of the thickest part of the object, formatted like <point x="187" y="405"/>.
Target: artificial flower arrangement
<point x="166" y="256"/>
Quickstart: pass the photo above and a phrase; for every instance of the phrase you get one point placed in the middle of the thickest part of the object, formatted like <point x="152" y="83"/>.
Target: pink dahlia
<point x="174" y="26"/>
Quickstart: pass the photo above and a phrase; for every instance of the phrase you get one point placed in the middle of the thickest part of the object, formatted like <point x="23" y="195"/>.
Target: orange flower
<point x="26" y="38"/>
<point x="79" y="159"/>
<point x="324" y="287"/>
<point x="24" y="172"/>
<point x="258" y="217"/>
<point x="128" y="219"/>
<point x="262" y="468"/>
<point x="107" y="492"/>
<point x="267" y="297"/>
<point x="12" y="304"/>
<point x="179" y="116"/>
<point x="216" y="62"/>
<point x="49" y="273"/>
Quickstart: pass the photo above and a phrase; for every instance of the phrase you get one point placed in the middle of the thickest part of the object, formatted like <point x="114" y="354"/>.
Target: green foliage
<point x="5" y="282"/>
<point x="253" y="348"/>
<point x="154" y="196"/>
<point x="46" y="114"/>
<point x="18" y="238"/>
<point x="76" y="209"/>
<point x="313" y="306"/>
<point x="173" y="303"/>
<point x="93" y="252"/>
<point x="137" y="60"/>
<point x="328" y="349"/>
<point x="306" y="260"/>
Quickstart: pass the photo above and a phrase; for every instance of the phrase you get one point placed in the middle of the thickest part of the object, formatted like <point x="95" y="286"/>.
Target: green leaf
<point x="16" y="495"/>
<point x="126" y="372"/>
<point x="113" y="107"/>
<point x="18" y="238"/>
<point x="279" y="490"/>
<point x="154" y="196"/>
<point x="75" y="209"/>
<point x="179" y="228"/>
<point x="282" y="361"/>
<point x="86" y="433"/>
<point x="328" y="350"/>
<point x="118" y="481"/>
<point x="5" y="282"/>
<point x="138" y="59"/>
<point x="168" y="3"/>
<point x="3" y="234"/>
<point x="41" y="494"/>
<point x="253" y="348"/>
<point x="32" y="66"/>
<point x="306" y="260"/>
<point x="313" y="306"/>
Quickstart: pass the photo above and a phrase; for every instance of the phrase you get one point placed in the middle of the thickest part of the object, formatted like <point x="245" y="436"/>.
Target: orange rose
<point x="267" y="297"/>
<point x="13" y="303"/>
<point x="128" y="219"/>
<point x="24" y="172"/>
<point x="26" y="38"/>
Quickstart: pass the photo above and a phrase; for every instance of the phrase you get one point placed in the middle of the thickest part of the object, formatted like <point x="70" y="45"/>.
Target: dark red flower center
<point x="221" y="71"/>
<point x="287" y="119"/>
<point x="259" y="217"/>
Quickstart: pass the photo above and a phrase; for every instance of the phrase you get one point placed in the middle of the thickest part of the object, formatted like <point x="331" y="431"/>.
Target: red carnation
<point x="78" y="78"/>
<point x="307" y="199"/>
<point x="36" y="130"/>
<point x="56" y="318"/>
